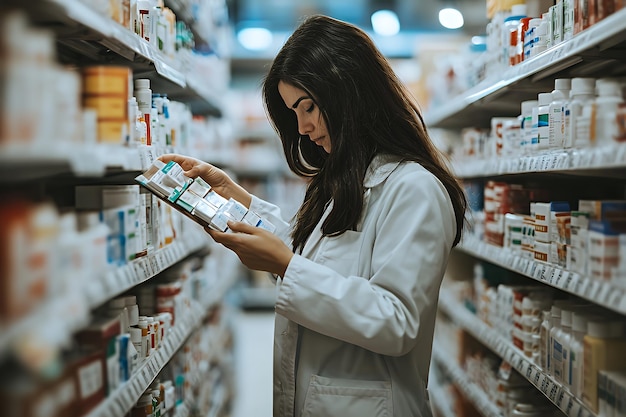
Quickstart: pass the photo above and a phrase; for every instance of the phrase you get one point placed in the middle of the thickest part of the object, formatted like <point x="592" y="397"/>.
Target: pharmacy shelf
<point x="73" y="310"/>
<point x="35" y="161"/>
<point x="95" y="37"/>
<point x="603" y="293"/>
<point x="554" y="391"/>
<point x="119" y="280"/>
<point x="122" y="400"/>
<point x="576" y="161"/>
<point x="183" y="11"/>
<point x="470" y="390"/>
<point x="596" y="51"/>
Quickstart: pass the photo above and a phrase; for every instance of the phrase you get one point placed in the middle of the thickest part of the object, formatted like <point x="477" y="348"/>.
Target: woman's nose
<point x="304" y="126"/>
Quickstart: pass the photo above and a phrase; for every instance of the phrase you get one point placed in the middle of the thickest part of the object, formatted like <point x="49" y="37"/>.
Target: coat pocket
<point x="329" y="397"/>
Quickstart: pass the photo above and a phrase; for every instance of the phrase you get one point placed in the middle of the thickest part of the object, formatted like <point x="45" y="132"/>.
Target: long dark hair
<point x="367" y="111"/>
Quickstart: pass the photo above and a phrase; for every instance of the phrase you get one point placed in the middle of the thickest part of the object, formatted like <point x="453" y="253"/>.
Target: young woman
<point x="358" y="269"/>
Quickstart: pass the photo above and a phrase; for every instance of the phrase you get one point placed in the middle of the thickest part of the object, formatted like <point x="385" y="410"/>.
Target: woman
<point x="358" y="285"/>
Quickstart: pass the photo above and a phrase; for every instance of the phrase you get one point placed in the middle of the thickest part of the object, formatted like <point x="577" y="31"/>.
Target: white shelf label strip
<point x="604" y="294"/>
<point x="610" y="156"/>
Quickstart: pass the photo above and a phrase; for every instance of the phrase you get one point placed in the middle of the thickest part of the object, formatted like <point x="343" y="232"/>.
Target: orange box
<point x="107" y="80"/>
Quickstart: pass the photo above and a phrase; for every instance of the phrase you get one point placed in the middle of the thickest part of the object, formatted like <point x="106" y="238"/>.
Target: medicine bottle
<point x="605" y="130"/>
<point x="543" y="118"/>
<point x="579" y="330"/>
<point x="509" y="33"/>
<point x="582" y="92"/>
<point x="560" y="94"/>
<point x="144" y="407"/>
<point x="526" y="127"/>
<point x="143" y="94"/>
<point x="562" y="340"/>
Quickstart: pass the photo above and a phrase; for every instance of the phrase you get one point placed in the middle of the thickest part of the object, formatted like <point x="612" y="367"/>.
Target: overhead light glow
<point x="479" y="40"/>
<point x="450" y="18"/>
<point x="385" y="23"/>
<point x="255" y="39"/>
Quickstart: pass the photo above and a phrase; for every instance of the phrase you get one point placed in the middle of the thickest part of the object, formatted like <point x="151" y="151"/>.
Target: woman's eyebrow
<point x="298" y="101"/>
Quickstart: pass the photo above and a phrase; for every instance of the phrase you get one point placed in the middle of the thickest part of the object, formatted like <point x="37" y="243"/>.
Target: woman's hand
<point x="256" y="248"/>
<point x="215" y="177"/>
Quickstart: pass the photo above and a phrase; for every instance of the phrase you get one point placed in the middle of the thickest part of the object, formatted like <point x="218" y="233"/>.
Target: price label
<point x="117" y="407"/>
<point x="554" y="392"/>
<point x="546" y="273"/>
<point x="533" y="269"/>
<point x="566" y="280"/>
<point x="537" y="377"/>
<point x="605" y="293"/>
<point x="128" y="401"/>
<point x="616" y="298"/>
<point x="559" y="279"/>
<point x="137" y="387"/>
<point x="553" y="275"/>
<point x="560" y="398"/>
<point x="594" y="290"/>
<point x="583" y="286"/>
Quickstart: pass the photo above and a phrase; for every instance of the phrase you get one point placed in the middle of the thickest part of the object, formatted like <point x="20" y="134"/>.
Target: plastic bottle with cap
<point x="143" y="94"/>
<point x="605" y="128"/>
<point x="541" y="40"/>
<point x="560" y="94"/>
<point x="143" y="408"/>
<point x="579" y="330"/>
<point x="526" y="125"/>
<point x="543" y="120"/>
<point x="133" y="310"/>
<point x="117" y="308"/>
<point x="145" y="336"/>
<point x="509" y="27"/>
<point x="582" y="92"/>
<point x="555" y="320"/>
<point x="562" y="338"/>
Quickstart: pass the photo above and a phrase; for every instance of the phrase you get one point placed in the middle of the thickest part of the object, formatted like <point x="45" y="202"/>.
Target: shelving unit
<point x="85" y="37"/>
<point x="82" y="32"/>
<point x="553" y="390"/>
<point x="102" y="288"/>
<point x="470" y="390"/>
<point x="122" y="400"/>
<point x="595" y="52"/>
<point x="605" y="294"/>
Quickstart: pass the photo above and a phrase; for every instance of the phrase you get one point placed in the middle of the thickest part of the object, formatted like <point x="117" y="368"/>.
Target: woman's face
<point x="310" y="120"/>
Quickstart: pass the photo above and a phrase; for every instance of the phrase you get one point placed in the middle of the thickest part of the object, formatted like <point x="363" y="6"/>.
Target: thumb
<point x="241" y="227"/>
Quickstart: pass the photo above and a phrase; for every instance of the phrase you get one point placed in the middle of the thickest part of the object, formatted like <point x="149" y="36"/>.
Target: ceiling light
<point x="385" y="23"/>
<point x="450" y="18"/>
<point x="255" y="39"/>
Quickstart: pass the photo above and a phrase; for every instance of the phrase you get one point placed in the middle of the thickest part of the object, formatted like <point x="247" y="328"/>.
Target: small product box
<point x="196" y="198"/>
<point x="542" y="222"/>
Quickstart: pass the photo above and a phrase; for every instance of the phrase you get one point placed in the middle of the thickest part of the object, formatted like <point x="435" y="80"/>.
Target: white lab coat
<point x="356" y="313"/>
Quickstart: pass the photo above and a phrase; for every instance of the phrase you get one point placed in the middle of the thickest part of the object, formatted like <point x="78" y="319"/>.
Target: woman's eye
<point x="310" y="109"/>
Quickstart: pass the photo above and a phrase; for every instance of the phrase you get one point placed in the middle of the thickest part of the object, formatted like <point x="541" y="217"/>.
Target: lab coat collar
<point x="380" y="168"/>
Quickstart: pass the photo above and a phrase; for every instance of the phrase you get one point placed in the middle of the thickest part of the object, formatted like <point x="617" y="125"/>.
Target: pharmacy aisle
<point x="532" y="312"/>
<point x="253" y="359"/>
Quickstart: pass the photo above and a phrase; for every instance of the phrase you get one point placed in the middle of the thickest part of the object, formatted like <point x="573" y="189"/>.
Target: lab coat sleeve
<point x="380" y="312"/>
